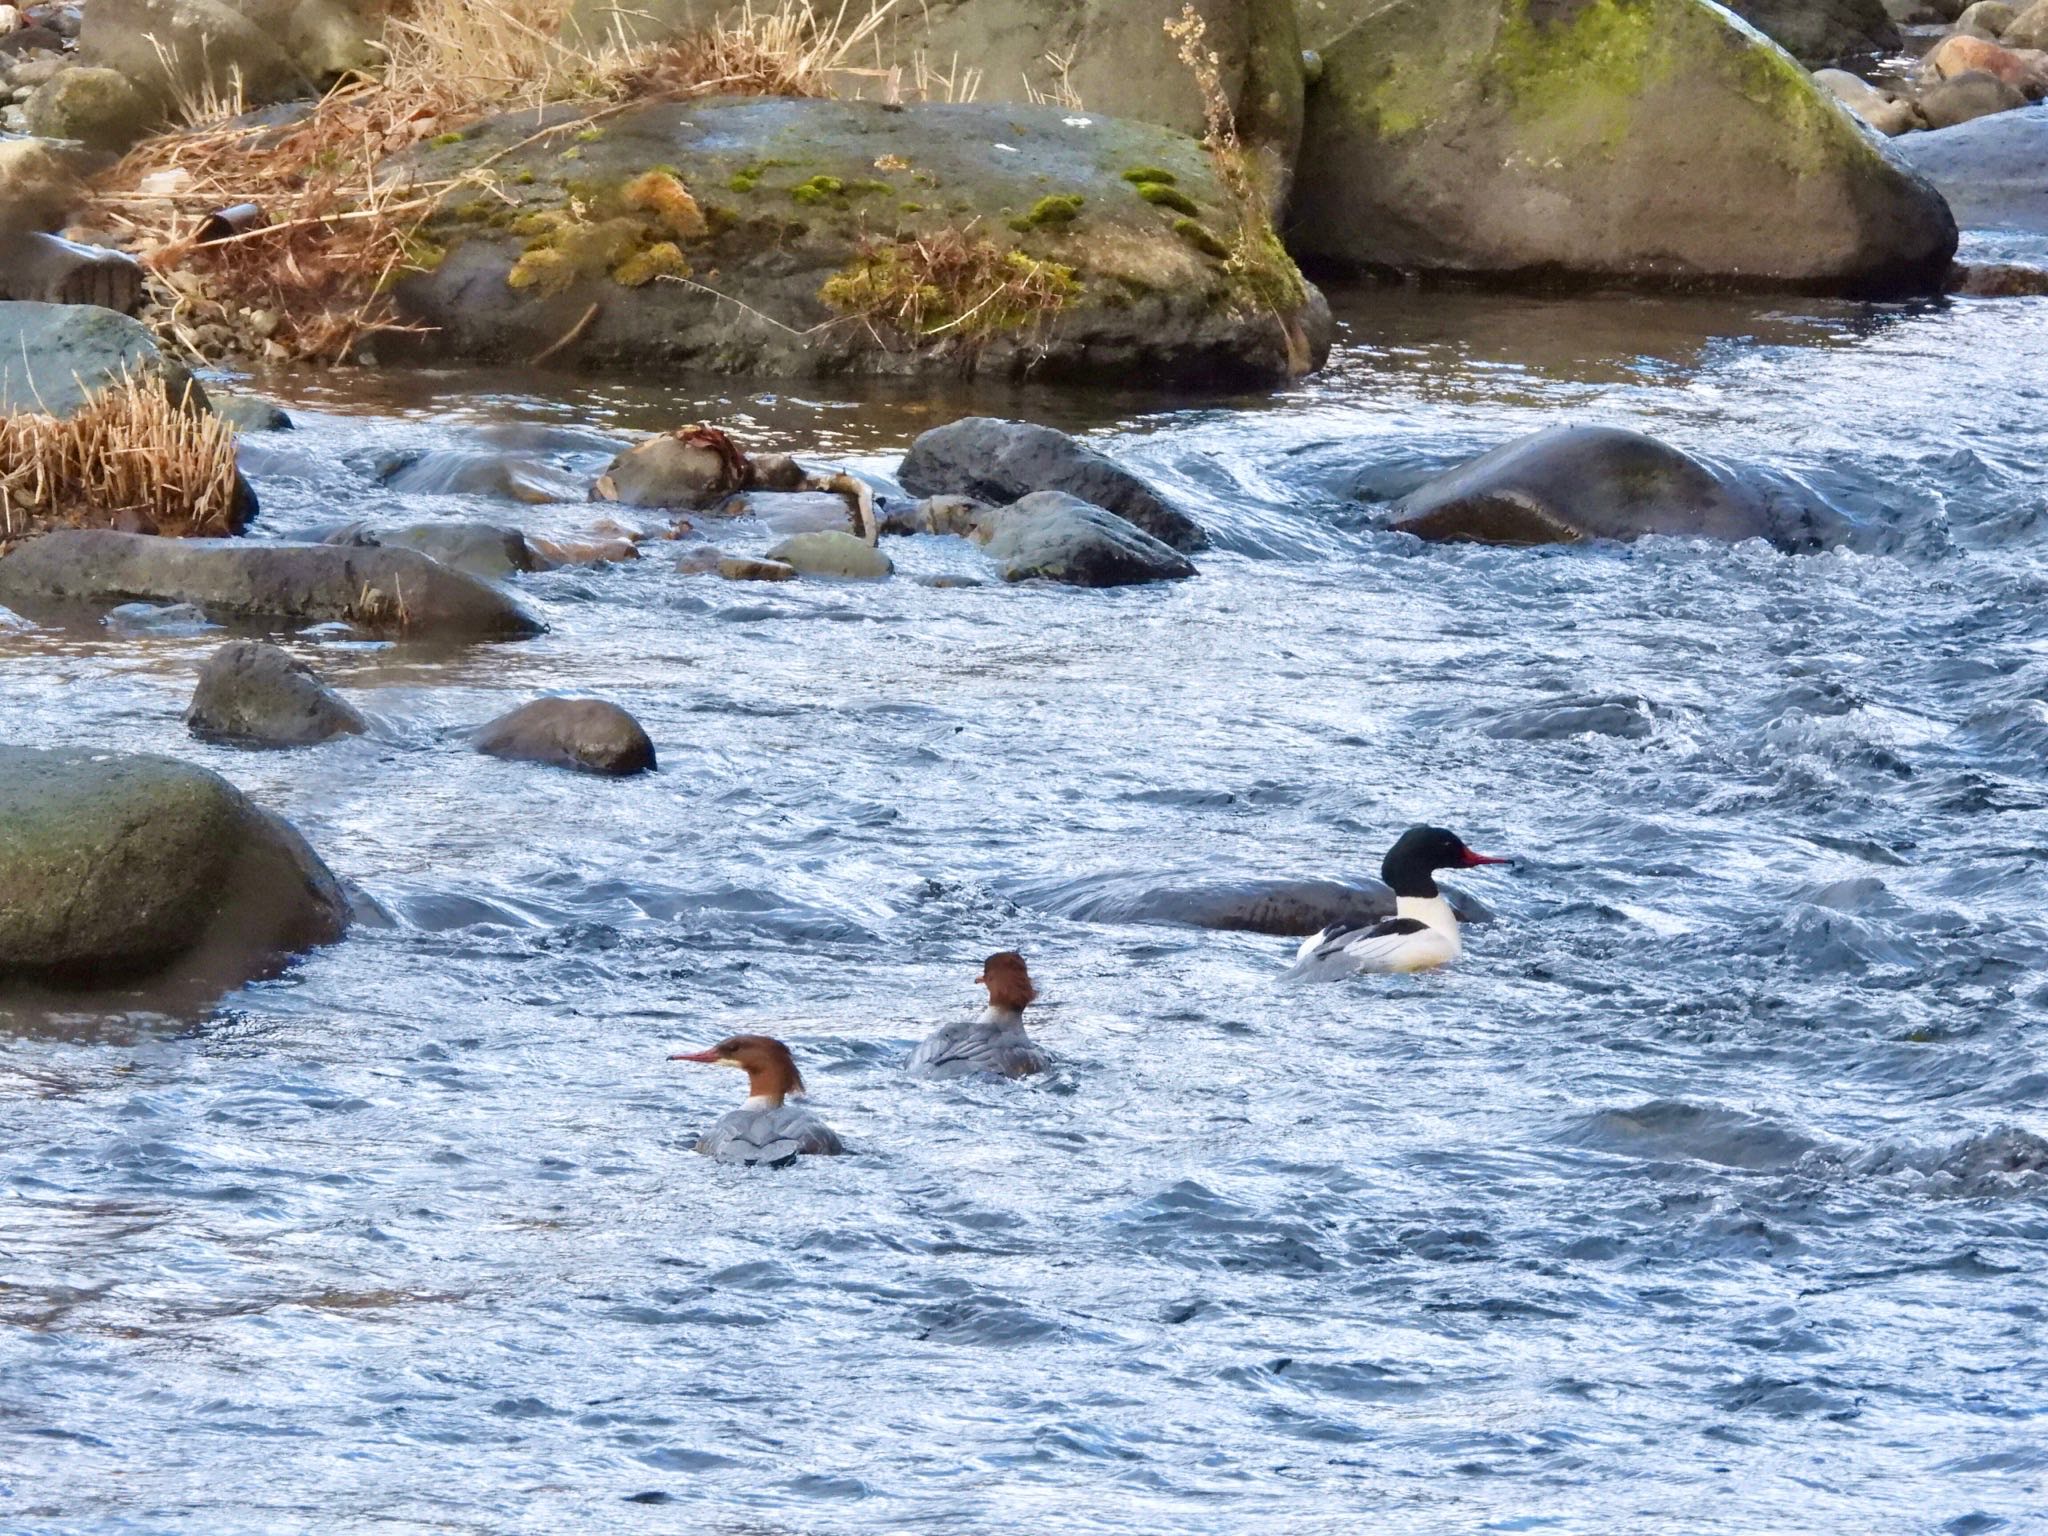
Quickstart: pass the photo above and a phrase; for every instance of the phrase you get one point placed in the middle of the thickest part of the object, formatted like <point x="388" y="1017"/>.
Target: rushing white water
<point x="1709" y="1192"/>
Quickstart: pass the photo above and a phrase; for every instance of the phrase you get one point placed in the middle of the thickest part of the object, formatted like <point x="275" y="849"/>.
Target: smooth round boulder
<point x="99" y="108"/>
<point x="115" y="868"/>
<point x="588" y="735"/>
<point x="1051" y="536"/>
<point x="999" y="461"/>
<point x="256" y="695"/>
<point x="1964" y="98"/>
<point x="828" y="553"/>
<point x="2029" y="29"/>
<point x="1986" y="18"/>
<point x="1569" y="484"/>
<point x="1960" y="54"/>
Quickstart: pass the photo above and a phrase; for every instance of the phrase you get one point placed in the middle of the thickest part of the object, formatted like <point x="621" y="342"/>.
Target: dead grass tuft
<point x="130" y="458"/>
<point x="950" y="283"/>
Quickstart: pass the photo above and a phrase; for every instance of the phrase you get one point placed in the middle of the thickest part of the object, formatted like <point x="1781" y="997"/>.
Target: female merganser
<point x="764" y="1129"/>
<point x="996" y="1041"/>
<point x="1423" y="932"/>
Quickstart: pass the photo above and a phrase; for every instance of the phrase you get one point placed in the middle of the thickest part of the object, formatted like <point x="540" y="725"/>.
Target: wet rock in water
<point x="1052" y="536"/>
<point x="1990" y="169"/>
<point x="1039" y="255"/>
<point x="1113" y="55"/>
<point x="53" y="357"/>
<point x="1000" y="461"/>
<point x="250" y="413"/>
<point x="1957" y="55"/>
<point x="960" y="515"/>
<point x="1820" y="31"/>
<point x="1965" y="98"/>
<point x="257" y="695"/>
<point x="157" y="619"/>
<point x="258" y="50"/>
<point x="1998" y="280"/>
<point x="776" y="472"/>
<point x="690" y="468"/>
<point x="1653" y="141"/>
<point x="480" y="549"/>
<point x="115" y="868"/>
<point x="554" y="554"/>
<point x="833" y="554"/>
<point x="588" y="735"/>
<point x="489" y="472"/>
<point x="47" y="269"/>
<point x="793" y="512"/>
<point x="1887" y="116"/>
<point x="99" y="108"/>
<point x="383" y="590"/>
<point x="1567" y="484"/>
<point x="739" y="568"/>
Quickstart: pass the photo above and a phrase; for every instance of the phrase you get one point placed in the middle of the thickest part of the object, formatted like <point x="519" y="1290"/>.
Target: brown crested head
<point x="1008" y="981"/>
<point x="771" y="1070"/>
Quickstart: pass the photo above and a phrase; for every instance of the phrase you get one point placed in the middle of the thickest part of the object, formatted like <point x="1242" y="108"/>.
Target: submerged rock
<point x="115" y="868"/>
<point x="1052" y="536"/>
<point x="389" y="590"/>
<point x="589" y="735"/>
<point x="1990" y="169"/>
<point x="833" y="554"/>
<point x="486" y="472"/>
<point x="1573" y="483"/>
<point x="256" y="695"/>
<point x="857" y="237"/>
<point x="1653" y="141"/>
<point x="999" y="461"/>
<point x="53" y="357"/>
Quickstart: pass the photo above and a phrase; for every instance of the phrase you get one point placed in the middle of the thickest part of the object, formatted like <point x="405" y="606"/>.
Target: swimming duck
<point x="764" y="1129"/>
<point x="996" y="1041"/>
<point x="1423" y="932"/>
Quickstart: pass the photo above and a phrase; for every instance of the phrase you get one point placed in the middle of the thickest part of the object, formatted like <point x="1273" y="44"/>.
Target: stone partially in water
<point x="1052" y="536"/>
<point x="487" y="472"/>
<point x="1654" y="141"/>
<point x="855" y="237"/>
<point x="115" y="868"/>
<point x="691" y="468"/>
<point x="740" y="568"/>
<point x="480" y="549"/>
<point x="1964" y="98"/>
<point x="1572" y="483"/>
<point x="589" y="735"/>
<point x="833" y="554"/>
<point x="392" y="590"/>
<point x="257" y="695"/>
<point x="1820" y="31"/>
<point x="1000" y="461"/>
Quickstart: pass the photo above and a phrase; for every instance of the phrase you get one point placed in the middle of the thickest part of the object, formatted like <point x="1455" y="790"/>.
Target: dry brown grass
<point x="950" y="283"/>
<point x="130" y="458"/>
<point x="340" y="227"/>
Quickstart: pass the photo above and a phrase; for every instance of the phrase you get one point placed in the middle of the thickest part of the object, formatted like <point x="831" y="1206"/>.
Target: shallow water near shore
<point x="1710" y="1191"/>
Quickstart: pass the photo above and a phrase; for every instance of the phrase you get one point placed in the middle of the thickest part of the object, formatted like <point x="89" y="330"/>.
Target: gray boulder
<point x="116" y="868"/>
<point x="1000" y="461"/>
<point x="254" y="694"/>
<point x="49" y="269"/>
<point x="1569" y="484"/>
<point x="1052" y="536"/>
<point x="850" y="237"/>
<point x="268" y="50"/>
<point x="1649" y="141"/>
<point x="99" y="108"/>
<point x="588" y="735"/>
<point x="53" y="356"/>
<point x="1989" y="170"/>
<point x="382" y="590"/>
<point x="483" y="550"/>
<point x="1822" y="31"/>
<point x="1966" y="97"/>
<point x="251" y="413"/>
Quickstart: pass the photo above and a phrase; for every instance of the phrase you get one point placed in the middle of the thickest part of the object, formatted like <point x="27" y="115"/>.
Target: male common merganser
<point x="1423" y="932"/>
<point x="764" y="1129"/>
<point x="996" y="1041"/>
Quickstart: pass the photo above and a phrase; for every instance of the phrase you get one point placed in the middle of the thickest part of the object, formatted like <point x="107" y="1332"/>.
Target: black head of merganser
<point x="771" y="1071"/>
<point x="1008" y="981"/>
<point x="1411" y="864"/>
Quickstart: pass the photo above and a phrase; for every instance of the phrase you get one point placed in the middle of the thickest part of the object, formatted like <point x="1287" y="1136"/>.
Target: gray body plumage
<point x="771" y="1135"/>
<point x="995" y="1043"/>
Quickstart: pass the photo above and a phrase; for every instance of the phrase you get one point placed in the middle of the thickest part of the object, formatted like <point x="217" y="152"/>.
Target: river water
<point x="1709" y="1193"/>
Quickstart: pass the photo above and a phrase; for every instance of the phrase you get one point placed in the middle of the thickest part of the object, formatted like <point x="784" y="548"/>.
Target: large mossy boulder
<point x="1112" y="57"/>
<point x="1571" y="484"/>
<point x="53" y="357"/>
<point x="1823" y="31"/>
<point x="1990" y="170"/>
<point x="799" y="237"/>
<point x="261" y="50"/>
<point x="393" y="591"/>
<point x="116" y="869"/>
<point x="1652" y="141"/>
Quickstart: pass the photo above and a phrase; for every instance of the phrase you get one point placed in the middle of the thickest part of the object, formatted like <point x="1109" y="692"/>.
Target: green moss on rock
<point x="1202" y="238"/>
<point x="1162" y="196"/>
<point x="1056" y="211"/>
